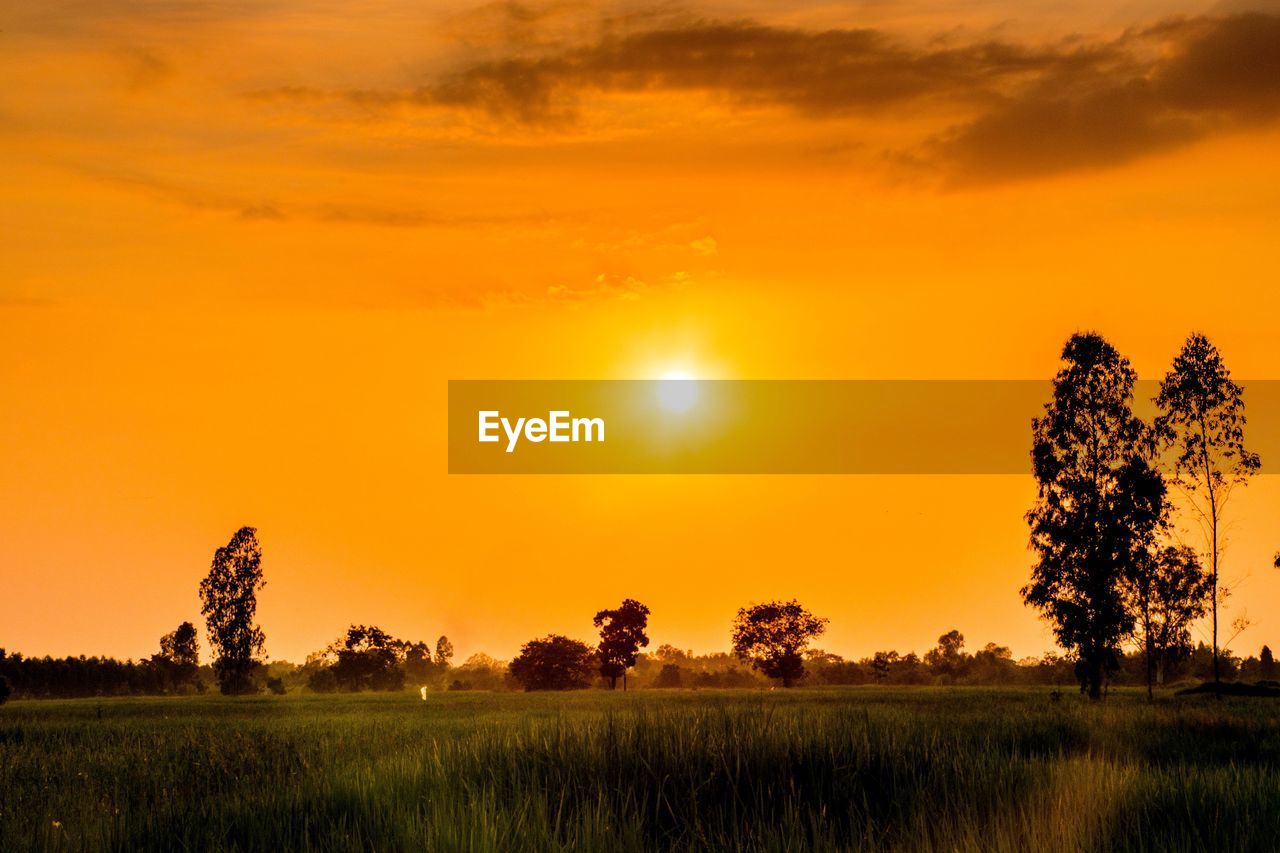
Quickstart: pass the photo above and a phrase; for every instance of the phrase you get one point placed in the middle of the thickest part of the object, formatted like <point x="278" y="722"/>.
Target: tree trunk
<point x="1093" y="675"/>
<point x="1151" y="674"/>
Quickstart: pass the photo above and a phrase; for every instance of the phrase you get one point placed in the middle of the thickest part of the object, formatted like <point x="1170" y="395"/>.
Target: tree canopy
<point x="773" y="637"/>
<point x="229" y="594"/>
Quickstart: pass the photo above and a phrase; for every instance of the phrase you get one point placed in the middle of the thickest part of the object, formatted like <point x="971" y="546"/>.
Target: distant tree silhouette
<point x="1099" y="505"/>
<point x="1202" y="420"/>
<point x="5" y="690"/>
<point x="1266" y="664"/>
<point x="554" y="662"/>
<point x="418" y="666"/>
<point x="882" y="664"/>
<point x="230" y="602"/>
<point x="1167" y="590"/>
<point x="444" y="652"/>
<point x="622" y="635"/>
<point x="670" y="677"/>
<point x="773" y="638"/>
<point x="180" y="655"/>
<point x="367" y="659"/>
<point x="948" y="659"/>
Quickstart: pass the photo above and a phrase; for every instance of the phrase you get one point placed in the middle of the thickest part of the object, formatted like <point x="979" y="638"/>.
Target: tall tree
<point x="1099" y="505"/>
<point x="444" y="653"/>
<point x="773" y="638"/>
<point x="230" y="603"/>
<point x="1202" y="421"/>
<point x="622" y="635"/>
<point x="1266" y="664"/>
<point x="1167" y="592"/>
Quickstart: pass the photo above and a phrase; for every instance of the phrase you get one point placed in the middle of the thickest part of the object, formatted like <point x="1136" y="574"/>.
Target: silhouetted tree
<point x="5" y="690"/>
<point x="773" y="637"/>
<point x="367" y="659"/>
<point x="418" y="666"/>
<point x="1099" y="505"/>
<point x="1266" y="664"/>
<point x="180" y="655"/>
<point x="622" y="634"/>
<point x="1202" y="420"/>
<point x="230" y="602"/>
<point x="444" y="652"/>
<point x="554" y="663"/>
<point x="948" y="658"/>
<point x="1168" y="590"/>
<point x="670" y="677"/>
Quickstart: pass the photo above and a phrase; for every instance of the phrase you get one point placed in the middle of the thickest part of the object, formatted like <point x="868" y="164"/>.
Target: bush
<point x="276" y="686"/>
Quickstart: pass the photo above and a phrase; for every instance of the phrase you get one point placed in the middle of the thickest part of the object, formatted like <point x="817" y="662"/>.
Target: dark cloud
<point x="1206" y="76"/>
<point x="1034" y="109"/>
<point x="822" y="73"/>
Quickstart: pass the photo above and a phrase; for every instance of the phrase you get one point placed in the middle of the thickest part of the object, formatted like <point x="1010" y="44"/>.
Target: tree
<point x="1099" y="505"/>
<point x="180" y="655"/>
<point x="622" y="635"/>
<point x="671" y="676"/>
<point x="1202" y="420"/>
<point x="368" y="658"/>
<point x="948" y="658"/>
<point x="417" y="661"/>
<point x="5" y="690"/>
<point x="1266" y="664"/>
<point x="554" y="663"/>
<point x="444" y="652"/>
<point x="230" y="602"/>
<point x="1167" y="592"/>
<point x="773" y="638"/>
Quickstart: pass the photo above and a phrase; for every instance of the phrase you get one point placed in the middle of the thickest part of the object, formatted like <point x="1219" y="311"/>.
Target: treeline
<point x="413" y="666"/>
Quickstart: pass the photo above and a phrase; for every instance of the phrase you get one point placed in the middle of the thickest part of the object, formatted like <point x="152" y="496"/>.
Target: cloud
<point x="1032" y="109"/>
<point x="1208" y="76"/>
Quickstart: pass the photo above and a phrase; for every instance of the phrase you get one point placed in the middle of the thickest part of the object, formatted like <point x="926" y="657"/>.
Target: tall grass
<point x="858" y="769"/>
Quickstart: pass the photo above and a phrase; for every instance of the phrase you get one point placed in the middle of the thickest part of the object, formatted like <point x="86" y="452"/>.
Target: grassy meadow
<point x="851" y="768"/>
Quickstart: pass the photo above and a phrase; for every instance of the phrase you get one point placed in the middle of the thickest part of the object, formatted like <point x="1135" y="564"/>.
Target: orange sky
<point x="245" y="248"/>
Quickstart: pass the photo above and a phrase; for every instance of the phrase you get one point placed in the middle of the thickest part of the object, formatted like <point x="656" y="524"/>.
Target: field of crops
<point x="856" y="768"/>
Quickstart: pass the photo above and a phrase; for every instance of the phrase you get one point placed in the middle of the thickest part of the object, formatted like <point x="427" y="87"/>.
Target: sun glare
<point x="677" y="391"/>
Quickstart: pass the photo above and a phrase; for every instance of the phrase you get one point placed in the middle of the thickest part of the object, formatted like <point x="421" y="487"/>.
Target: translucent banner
<point x="686" y="426"/>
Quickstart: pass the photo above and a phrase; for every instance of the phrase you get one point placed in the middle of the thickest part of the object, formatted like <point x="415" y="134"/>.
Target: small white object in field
<point x="423" y="692"/>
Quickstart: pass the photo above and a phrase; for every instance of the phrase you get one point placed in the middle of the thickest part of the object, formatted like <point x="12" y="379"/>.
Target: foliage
<point x="1099" y="505"/>
<point x="1202" y="421"/>
<point x="622" y="635"/>
<point x="179" y="657"/>
<point x="368" y="658"/>
<point x="230" y="602"/>
<point x="554" y="662"/>
<point x="773" y="637"/>
<point x="5" y="690"/>
<point x="444" y="652"/>
<point x="1167" y="591"/>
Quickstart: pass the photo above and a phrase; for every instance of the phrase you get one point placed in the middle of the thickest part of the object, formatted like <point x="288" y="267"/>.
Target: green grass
<point x="858" y="768"/>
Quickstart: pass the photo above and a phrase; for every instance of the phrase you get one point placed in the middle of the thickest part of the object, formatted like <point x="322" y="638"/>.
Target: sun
<point x="677" y="391"/>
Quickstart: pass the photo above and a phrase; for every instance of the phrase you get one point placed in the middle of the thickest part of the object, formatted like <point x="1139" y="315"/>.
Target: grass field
<point x="856" y="768"/>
